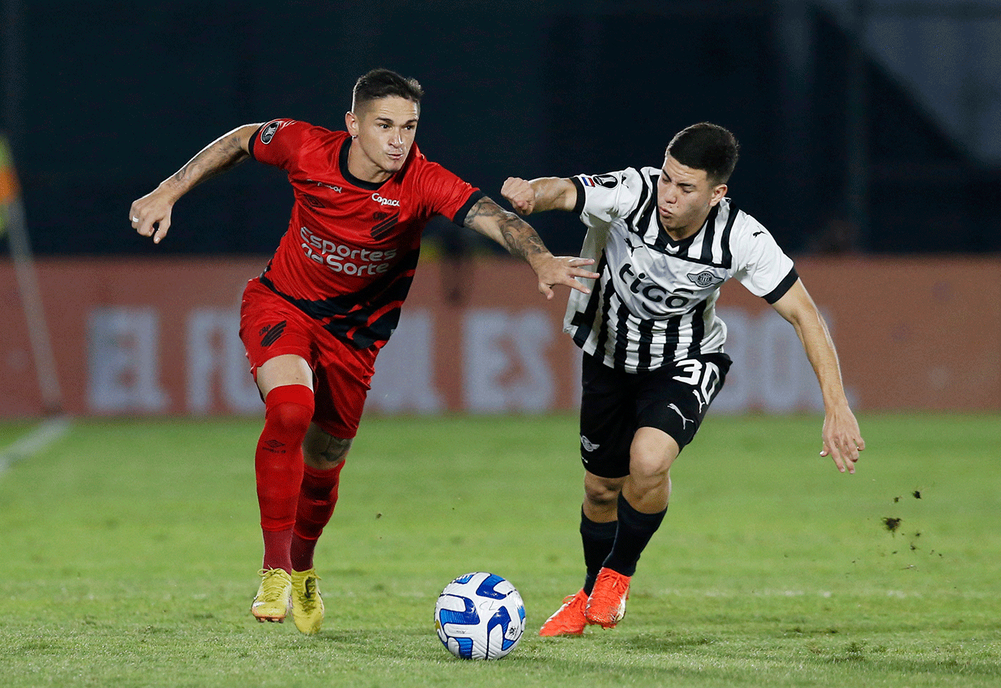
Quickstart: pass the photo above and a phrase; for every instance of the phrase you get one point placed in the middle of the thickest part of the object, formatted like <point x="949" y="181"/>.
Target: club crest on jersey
<point x="704" y="279"/>
<point x="384" y="225"/>
<point x="269" y="133"/>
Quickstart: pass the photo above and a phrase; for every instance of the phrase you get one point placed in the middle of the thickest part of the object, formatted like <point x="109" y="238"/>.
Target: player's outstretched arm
<point x="150" y="215"/>
<point x="518" y="237"/>
<point x="539" y="195"/>
<point x="842" y="439"/>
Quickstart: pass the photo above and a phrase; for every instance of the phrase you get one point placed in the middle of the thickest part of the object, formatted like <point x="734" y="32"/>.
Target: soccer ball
<point x="479" y="616"/>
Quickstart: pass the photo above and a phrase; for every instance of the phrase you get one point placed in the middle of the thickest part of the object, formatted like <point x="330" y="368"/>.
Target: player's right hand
<point x="520" y="194"/>
<point x="842" y="440"/>
<point x="150" y="215"/>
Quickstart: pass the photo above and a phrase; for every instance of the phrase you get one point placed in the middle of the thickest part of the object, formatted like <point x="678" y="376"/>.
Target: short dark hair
<point x="706" y="146"/>
<point x="383" y="83"/>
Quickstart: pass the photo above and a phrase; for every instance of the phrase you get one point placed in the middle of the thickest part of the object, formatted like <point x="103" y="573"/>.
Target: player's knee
<point x="323" y="451"/>
<point x="601" y="495"/>
<point x="288" y="418"/>
<point x="649" y="468"/>
<point x="338" y="450"/>
<point x="651" y="461"/>
<point x="289" y="409"/>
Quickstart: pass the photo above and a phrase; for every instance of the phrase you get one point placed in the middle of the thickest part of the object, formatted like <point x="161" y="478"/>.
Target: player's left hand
<point x="842" y="438"/>
<point x="553" y="270"/>
<point x="520" y="194"/>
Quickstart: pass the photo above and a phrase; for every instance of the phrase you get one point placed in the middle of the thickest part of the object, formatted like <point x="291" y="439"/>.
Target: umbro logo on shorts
<point x="272" y="333"/>
<point x="588" y="445"/>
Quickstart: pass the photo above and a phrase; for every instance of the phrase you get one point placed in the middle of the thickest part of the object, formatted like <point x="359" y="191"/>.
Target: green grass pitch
<point x="130" y="551"/>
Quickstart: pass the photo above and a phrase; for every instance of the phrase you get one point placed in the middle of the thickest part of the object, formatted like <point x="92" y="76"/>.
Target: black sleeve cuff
<point x="253" y="140"/>
<point x="578" y="207"/>
<point x="460" y="215"/>
<point x="784" y="286"/>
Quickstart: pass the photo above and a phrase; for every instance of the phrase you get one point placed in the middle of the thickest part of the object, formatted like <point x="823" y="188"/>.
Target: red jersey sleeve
<point x="444" y="193"/>
<point x="283" y="142"/>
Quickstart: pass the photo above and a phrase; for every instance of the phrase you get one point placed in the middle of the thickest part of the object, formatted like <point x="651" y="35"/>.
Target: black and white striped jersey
<point x="655" y="300"/>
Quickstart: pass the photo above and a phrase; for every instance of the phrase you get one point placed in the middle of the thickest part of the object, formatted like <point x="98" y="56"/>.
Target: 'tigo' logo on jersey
<point x="653" y="297"/>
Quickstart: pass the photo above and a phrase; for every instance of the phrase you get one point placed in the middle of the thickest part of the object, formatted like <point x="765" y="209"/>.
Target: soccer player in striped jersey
<point x="314" y="321"/>
<point x="665" y="239"/>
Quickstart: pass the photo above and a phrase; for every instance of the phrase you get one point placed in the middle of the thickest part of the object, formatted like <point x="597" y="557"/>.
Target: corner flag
<point x="12" y="224"/>
<point x="9" y="188"/>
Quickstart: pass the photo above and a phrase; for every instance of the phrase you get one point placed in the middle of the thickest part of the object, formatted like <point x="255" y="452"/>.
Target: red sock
<point x="317" y="499"/>
<point x="278" y="464"/>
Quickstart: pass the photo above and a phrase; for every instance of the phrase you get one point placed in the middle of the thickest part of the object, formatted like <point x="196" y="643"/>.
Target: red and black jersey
<point x="349" y="254"/>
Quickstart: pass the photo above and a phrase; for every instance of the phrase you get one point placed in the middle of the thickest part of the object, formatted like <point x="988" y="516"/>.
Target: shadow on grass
<point x="659" y="644"/>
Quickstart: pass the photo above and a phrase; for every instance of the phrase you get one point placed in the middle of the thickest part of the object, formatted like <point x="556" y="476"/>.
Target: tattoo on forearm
<point x="519" y="237"/>
<point x="219" y="156"/>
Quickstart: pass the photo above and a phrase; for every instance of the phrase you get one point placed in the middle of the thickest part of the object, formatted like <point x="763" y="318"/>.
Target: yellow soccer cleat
<point x="568" y="619"/>
<point x="307" y="605"/>
<point x="274" y="597"/>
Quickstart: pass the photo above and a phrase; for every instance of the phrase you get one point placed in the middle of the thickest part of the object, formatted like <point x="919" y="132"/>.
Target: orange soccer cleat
<point x="607" y="604"/>
<point x="568" y="619"/>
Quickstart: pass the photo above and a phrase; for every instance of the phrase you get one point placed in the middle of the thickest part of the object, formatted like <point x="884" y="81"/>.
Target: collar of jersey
<point x="664" y="239"/>
<point x="342" y="162"/>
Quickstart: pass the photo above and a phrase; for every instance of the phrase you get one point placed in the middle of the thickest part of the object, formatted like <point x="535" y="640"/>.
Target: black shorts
<point x="614" y="404"/>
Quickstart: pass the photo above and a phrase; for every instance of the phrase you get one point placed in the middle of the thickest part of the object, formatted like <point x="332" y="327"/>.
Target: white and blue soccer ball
<point x="479" y="616"/>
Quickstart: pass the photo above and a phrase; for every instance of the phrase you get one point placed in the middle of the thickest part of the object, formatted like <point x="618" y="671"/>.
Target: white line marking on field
<point x="41" y="436"/>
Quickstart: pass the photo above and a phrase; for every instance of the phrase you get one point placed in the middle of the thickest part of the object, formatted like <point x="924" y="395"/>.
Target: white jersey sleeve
<point x="603" y="198"/>
<point x="760" y="264"/>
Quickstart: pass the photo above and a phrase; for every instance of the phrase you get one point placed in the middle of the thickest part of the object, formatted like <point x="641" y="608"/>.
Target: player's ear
<point x="351" y="122"/>
<point x="718" y="193"/>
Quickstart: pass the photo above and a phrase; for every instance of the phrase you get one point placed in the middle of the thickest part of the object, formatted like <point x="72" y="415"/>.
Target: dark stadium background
<point x="104" y="99"/>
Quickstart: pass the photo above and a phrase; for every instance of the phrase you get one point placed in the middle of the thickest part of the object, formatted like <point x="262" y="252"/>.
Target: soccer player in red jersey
<point x="314" y="321"/>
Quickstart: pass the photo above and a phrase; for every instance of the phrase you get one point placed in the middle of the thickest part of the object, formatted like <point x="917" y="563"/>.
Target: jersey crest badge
<point x="385" y="224"/>
<point x="704" y="279"/>
<point x="269" y="133"/>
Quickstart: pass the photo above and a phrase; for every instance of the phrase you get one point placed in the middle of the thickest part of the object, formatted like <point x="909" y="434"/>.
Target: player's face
<point x="384" y="131"/>
<point x="684" y="198"/>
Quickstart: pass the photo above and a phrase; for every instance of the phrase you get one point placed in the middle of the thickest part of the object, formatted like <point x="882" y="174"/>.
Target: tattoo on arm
<point x="217" y="157"/>
<point x="514" y="233"/>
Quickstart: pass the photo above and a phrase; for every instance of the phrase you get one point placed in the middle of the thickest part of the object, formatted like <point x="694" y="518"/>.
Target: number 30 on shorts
<point x="702" y="377"/>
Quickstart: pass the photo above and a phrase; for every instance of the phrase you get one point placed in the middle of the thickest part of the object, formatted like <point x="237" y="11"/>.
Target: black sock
<point x="631" y="537"/>
<point x="597" y="539"/>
